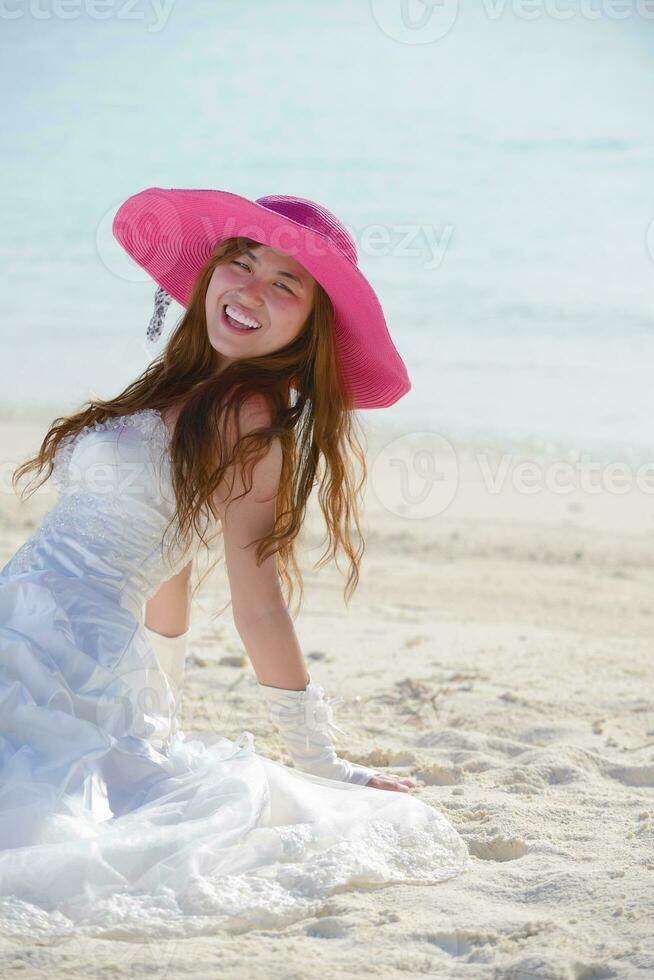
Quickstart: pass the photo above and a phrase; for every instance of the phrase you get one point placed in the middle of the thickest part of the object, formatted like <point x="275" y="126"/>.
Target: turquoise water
<point x="510" y="164"/>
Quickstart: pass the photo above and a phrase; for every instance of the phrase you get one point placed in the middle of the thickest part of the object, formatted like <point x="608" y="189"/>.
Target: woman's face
<point x="265" y="287"/>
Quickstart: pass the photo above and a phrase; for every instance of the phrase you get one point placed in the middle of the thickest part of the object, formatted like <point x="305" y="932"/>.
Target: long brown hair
<point x="310" y="414"/>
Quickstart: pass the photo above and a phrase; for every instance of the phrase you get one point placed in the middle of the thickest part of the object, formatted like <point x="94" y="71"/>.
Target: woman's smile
<point x="235" y="318"/>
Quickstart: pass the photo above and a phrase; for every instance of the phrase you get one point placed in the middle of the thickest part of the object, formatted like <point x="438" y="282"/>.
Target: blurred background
<point x="495" y="168"/>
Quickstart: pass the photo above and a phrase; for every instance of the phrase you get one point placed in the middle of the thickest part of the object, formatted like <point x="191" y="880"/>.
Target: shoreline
<point x="380" y="424"/>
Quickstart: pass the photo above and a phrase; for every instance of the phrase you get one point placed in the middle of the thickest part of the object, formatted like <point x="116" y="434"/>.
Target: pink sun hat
<point x="171" y="233"/>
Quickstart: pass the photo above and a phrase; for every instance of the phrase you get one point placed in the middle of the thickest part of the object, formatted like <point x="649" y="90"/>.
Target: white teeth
<point x="245" y="320"/>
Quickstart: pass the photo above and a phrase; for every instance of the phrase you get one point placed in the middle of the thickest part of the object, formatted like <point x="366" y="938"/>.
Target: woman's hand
<point x="400" y="784"/>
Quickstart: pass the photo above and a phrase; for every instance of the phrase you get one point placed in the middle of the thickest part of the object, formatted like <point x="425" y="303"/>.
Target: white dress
<point x="107" y="828"/>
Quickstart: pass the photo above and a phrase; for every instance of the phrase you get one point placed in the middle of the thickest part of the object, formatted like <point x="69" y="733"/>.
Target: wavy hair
<point x="309" y="413"/>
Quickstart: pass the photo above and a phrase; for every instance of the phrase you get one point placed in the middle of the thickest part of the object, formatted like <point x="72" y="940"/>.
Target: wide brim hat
<point x="171" y="233"/>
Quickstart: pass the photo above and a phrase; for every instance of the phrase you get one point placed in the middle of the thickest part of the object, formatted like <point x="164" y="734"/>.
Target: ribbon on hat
<point x="162" y="301"/>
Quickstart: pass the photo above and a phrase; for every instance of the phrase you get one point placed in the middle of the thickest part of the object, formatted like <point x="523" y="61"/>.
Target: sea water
<point x="497" y="178"/>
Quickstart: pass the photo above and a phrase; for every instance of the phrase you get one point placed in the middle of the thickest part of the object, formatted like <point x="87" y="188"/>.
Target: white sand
<point x="502" y="653"/>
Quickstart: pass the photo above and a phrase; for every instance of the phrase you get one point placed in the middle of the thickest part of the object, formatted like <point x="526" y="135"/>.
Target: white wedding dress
<point x="111" y="828"/>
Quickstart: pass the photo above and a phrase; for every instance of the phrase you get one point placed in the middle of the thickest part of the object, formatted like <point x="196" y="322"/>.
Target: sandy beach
<point x="499" y="650"/>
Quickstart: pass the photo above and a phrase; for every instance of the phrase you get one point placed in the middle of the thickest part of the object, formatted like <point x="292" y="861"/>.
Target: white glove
<point x="304" y="719"/>
<point x="170" y="653"/>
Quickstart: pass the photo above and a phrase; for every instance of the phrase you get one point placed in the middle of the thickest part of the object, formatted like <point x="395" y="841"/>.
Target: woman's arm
<point x="266" y="628"/>
<point x="260" y="613"/>
<point x="169" y="610"/>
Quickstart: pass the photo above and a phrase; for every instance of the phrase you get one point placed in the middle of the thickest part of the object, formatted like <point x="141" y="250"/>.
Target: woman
<point x="102" y="796"/>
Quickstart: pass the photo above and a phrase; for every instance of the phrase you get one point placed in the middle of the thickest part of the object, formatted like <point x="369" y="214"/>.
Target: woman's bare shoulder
<point x="255" y="410"/>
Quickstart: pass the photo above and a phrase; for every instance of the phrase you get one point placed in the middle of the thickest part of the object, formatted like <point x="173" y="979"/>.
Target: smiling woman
<point x="107" y="807"/>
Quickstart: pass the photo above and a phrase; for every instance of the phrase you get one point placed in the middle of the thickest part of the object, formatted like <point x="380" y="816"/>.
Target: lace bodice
<point x="115" y="499"/>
